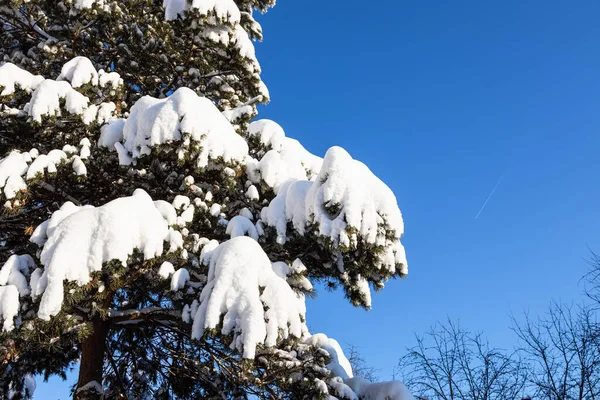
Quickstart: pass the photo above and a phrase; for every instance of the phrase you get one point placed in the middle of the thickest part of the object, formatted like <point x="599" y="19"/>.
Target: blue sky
<point x="440" y="99"/>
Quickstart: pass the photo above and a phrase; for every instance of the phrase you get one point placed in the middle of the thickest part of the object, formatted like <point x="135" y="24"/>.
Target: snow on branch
<point x="182" y="117"/>
<point x="348" y="205"/>
<point x="12" y="77"/>
<point x="9" y="306"/>
<point x="79" y="71"/>
<point x="238" y="269"/>
<point x="85" y="239"/>
<point x="285" y="158"/>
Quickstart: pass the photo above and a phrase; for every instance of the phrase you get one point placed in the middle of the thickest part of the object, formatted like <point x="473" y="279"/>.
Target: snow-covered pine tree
<point x="149" y="232"/>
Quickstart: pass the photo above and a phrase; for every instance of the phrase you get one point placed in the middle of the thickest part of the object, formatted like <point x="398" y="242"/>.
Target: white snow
<point x="46" y="162"/>
<point x="182" y="117"/>
<point x="288" y="205"/>
<point x="246" y="48"/>
<point x="222" y="10"/>
<point x="179" y="279"/>
<point x="167" y="210"/>
<point x="208" y="247"/>
<point x="11" y="168"/>
<point x="15" y="271"/>
<point x="92" y="386"/>
<point x="293" y="274"/>
<point x="238" y="113"/>
<point x="166" y="270"/>
<point x="186" y="216"/>
<point x="79" y="167"/>
<point x="348" y="203"/>
<point x="106" y="112"/>
<point x="111" y="79"/>
<point x="9" y="306"/>
<point x="14" y="185"/>
<point x="342" y="390"/>
<point x="45" y="100"/>
<point x="85" y="4"/>
<point x="181" y="202"/>
<point x="12" y="76"/>
<point x="79" y="71"/>
<point x="286" y="158"/>
<point x="67" y="148"/>
<point x="111" y="133"/>
<point x="237" y="268"/>
<point x="244" y="212"/>
<point x="338" y="364"/>
<point x="215" y="210"/>
<point x="392" y="390"/>
<point x="240" y="226"/>
<point x="37" y="283"/>
<point x="80" y="243"/>
<point x="85" y="152"/>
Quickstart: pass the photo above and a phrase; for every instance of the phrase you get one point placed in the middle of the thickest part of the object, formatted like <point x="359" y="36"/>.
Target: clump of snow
<point x="392" y="390"/>
<point x="37" y="283"/>
<point x="67" y="148"/>
<point x="222" y="10"/>
<point x="182" y="117"/>
<point x="12" y="168"/>
<point x="93" y="386"/>
<point x="215" y="210"/>
<point x="238" y="267"/>
<point x="85" y="152"/>
<point x="46" y="162"/>
<point x="288" y="205"/>
<point x="14" y="185"/>
<point x="167" y="210"/>
<point x="79" y="71"/>
<point x="46" y="100"/>
<point x="241" y="226"/>
<point x="293" y="274"/>
<point x="99" y="113"/>
<point x="179" y="279"/>
<point x="208" y="247"/>
<point x="244" y="212"/>
<point x="181" y="202"/>
<point x="166" y="269"/>
<point x="79" y="167"/>
<point x="341" y="390"/>
<point x="175" y="239"/>
<point x="348" y="204"/>
<point x="285" y="159"/>
<point x="9" y="306"/>
<point x="15" y="272"/>
<point x="12" y="76"/>
<point x="80" y="243"/>
<point x="245" y="47"/>
<point x="111" y="133"/>
<point x="111" y="79"/>
<point x="338" y="364"/>
<point x="238" y="113"/>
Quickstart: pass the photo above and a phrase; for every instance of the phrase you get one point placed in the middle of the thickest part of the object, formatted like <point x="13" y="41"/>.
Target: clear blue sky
<point x="439" y="99"/>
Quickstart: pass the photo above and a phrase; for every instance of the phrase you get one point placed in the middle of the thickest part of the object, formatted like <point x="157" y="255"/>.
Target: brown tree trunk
<point x="92" y="360"/>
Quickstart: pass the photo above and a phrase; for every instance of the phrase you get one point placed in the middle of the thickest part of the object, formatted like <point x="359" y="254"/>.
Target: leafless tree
<point x="359" y="365"/>
<point x="592" y="281"/>
<point x="563" y="354"/>
<point x="449" y="363"/>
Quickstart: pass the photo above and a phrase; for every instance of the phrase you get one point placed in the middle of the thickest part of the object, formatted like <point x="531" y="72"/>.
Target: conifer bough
<point x="152" y="232"/>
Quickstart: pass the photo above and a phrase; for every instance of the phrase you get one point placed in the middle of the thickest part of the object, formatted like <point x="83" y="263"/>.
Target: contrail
<point x="491" y="194"/>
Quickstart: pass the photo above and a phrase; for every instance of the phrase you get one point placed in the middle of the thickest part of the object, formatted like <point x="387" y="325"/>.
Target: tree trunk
<point x="92" y="360"/>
